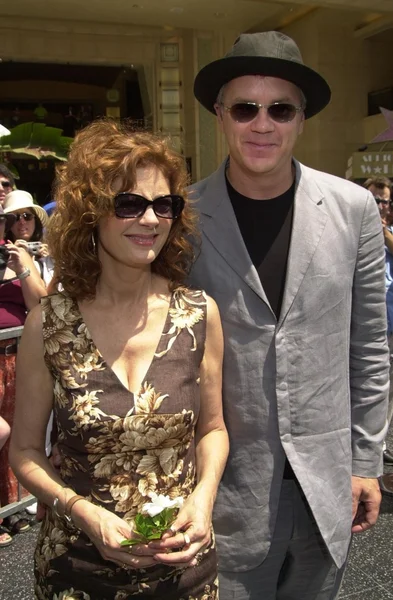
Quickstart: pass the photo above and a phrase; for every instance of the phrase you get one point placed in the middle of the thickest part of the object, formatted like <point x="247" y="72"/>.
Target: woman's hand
<point x="190" y="534"/>
<point x="19" y="257"/>
<point x="43" y="251"/>
<point x="23" y="244"/>
<point x="106" y="530"/>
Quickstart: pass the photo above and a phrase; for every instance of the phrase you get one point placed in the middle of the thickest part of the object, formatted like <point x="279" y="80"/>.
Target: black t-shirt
<point x="266" y="227"/>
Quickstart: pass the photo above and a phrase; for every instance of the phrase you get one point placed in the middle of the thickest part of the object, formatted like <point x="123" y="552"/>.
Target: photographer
<point x="28" y="229"/>
<point x="21" y="288"/>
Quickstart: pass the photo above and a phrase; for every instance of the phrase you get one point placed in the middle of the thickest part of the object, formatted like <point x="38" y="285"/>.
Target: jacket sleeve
<point x="369" y="355"/>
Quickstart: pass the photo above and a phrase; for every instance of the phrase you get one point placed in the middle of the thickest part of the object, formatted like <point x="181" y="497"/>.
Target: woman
<point x="28" y="229"/>
<point x="21" y="288"/>
<point x="132" y="361"/>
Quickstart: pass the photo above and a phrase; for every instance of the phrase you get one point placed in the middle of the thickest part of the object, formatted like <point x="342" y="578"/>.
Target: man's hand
<point x="366" y="500"/>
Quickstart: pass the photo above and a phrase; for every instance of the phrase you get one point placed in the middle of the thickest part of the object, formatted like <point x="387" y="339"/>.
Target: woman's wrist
<point x="19" y="268"/>
<point x="70" y="504"/>
<point x="203" y="497"/>
<point x="60" y="500"/>
<point x="24" y="273"/>
<point x="77" y="510"/>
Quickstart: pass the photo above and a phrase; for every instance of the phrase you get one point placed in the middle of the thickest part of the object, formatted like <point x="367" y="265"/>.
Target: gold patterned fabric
<point x="118" y="447"/>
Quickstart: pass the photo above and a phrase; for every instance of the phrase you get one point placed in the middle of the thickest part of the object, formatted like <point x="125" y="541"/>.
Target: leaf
<point x="157" y="520"/>
<point x="142" y="526"/>
<point x="148" y="528"/>
<point x="155" y="535"/>
<point x="169" y="516"/>
<point x="36" y="139"/>
<point x="132" y="542"/>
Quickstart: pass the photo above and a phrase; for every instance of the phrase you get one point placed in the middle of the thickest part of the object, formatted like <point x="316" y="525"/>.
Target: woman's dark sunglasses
<point x="25" y="216"/>
<point x="131" y="206"/>
<point x="245" y="112"/>
<point x="5" y="184"/>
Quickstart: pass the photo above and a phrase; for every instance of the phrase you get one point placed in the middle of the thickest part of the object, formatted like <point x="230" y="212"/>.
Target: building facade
<point x="350" y="48"/>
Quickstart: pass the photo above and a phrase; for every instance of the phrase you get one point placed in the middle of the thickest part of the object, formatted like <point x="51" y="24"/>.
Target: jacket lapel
<point x="221" y="228"/>
<point x="309" y="221"/>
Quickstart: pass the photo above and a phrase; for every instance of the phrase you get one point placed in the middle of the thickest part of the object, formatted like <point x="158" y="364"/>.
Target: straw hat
<point x="19" y="199"/>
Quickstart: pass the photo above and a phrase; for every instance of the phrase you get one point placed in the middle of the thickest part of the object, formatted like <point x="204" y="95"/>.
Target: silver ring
<point x="173" y="530"/>
<point x="187" y="540"/>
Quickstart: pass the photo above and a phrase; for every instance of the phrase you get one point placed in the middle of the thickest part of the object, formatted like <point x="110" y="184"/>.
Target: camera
<point x="4" y="256"/>
<point x="33" y="248"/>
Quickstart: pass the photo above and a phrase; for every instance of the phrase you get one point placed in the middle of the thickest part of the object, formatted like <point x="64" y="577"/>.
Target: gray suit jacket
<point x="312" y="386"/>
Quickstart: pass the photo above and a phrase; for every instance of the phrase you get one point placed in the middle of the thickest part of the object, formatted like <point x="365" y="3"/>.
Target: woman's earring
<point x="93" y="243"/>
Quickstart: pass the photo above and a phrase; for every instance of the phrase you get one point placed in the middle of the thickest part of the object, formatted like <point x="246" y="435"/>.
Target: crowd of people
<point x="21" y="288"/>
<point x="221" y="347"/>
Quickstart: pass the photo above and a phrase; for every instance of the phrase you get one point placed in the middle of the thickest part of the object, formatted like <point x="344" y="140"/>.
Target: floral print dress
<point x="119" y="448"/>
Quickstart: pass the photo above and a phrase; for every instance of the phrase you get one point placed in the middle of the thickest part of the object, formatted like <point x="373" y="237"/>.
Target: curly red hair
<point x="101" y="155"/>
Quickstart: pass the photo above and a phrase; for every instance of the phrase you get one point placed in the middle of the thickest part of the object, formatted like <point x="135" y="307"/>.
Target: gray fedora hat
<point x="269" y="53"/>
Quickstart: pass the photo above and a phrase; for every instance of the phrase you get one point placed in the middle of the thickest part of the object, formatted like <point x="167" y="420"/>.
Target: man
<point x="6" y="183"/>
<point x="294" y="257"/>
<point x="380" y="187"/>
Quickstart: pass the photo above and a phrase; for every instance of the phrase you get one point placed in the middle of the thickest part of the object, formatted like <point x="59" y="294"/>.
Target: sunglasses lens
<point x="243" y="112"/>
<point x="167" y="207"/>
<point x="177" y="206"/>
<point x="25" y="217"/>
<point x="282" y="112"/>
<point x="6" y="184"/>
<point x="129" y="206"/>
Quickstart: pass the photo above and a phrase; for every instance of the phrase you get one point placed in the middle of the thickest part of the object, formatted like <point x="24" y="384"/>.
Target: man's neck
<point x="263" y="186"/>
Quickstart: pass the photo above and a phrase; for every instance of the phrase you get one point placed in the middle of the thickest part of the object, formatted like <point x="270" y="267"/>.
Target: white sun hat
<point x="19" y="199"/>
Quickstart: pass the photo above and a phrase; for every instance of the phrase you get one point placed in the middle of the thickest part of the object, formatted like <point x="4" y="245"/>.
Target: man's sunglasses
<point x="131" y="206"/>
<point x="280" y="112"/>
<point x="5" y="184"/>
<point x="379" y="200"/>
<point x="25" y="216"/>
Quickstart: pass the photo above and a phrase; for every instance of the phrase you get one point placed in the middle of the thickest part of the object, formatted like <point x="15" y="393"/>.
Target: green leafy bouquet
<point x="156" y="518"/>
